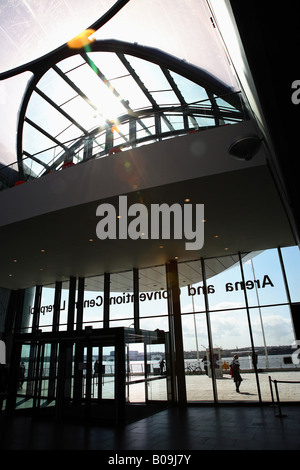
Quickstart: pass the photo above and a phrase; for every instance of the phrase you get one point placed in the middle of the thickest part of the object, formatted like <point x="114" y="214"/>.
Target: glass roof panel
<point x="120" y="78"/>
<point x="31" y="28"/>
<point x="190" y="91"/>
<point x="154" y="80"/>
<point x="183" y="29"/>
<point x="82" y="112"/>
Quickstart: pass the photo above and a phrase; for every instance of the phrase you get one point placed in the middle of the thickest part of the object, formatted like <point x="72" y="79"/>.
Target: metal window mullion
<point x="136" y="304"/>
<point x="157" y="125"/>
<point x="249" y="326"/>
<point x="56" y="306"/>
<point x="106" y="300"/>
<point x="132" y="132"/>
<point x="36" y="308"/>
<point x="209" y="332"/>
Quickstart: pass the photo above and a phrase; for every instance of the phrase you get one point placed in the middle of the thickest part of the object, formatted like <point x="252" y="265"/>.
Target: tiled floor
<point x="196" y="428"/>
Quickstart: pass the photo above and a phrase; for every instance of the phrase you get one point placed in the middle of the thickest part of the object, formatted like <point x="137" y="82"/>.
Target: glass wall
<point x="153" y="299"/>
<point x="121" y="300"/>
<point x="248" y="314"/>
<point x="243" y="305"/>
<point x="93" y="302"/>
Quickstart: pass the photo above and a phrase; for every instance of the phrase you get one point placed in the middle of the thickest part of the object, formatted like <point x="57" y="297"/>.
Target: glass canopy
<point x="109" y="95"/>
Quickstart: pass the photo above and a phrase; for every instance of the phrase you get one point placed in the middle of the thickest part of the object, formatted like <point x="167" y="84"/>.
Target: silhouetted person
<point x="162" y="365"/>
<point x="21" y="374"/>
<point x="235" y="367"/>
<point x="204" y="360"/>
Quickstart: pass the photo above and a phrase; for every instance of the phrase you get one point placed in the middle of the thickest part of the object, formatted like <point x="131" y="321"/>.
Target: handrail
<point x="277" y="392"/>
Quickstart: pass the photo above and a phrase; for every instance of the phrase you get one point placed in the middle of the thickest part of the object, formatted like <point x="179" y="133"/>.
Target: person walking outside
<point x="235" y="368"/>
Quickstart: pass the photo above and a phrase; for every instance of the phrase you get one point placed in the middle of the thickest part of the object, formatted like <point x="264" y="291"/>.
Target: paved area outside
<point x="199" y="388"/>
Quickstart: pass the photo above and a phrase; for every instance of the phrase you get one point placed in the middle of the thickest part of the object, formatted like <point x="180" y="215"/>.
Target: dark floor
<point x="195" y="428"/>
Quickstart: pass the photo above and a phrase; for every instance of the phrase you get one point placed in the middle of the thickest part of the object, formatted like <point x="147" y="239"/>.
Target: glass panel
<point x="32" y="29"/>
<point x="47" y="309"/>
<point x="46" y="116"/>
<point x="153" y="299"/>
<point x="156" y="372"/>
<point x="119" y="77"/>
<point x="191" y="92"/>
<point x="47" y="376"/>
<point x="82" y="112"/>
<point x="27" y="314"/>
<point x="93" y="302"/>
<point x="64" y="303"/>
<point x="174" y="120"/>
<point x="275" y="348"/>
<point x="154" y="80"/>
<point x="153" y="296"/>
<point x="230" y="334"/>
<point x="264" y="283"/>
<point x="121" y="299"/>
<point x="25" y="382"/>
<point x="273" y="336"/>
<point x="135" y="373"/>
<point x="291" y="260"/>
<point x="224" y="283"/>
<point x="191" y="288"/>
<point x="195" y="343"/>
<point x="108" y="372"/>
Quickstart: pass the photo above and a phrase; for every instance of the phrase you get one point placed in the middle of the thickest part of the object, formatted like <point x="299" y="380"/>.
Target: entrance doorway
<point x="92" y="374"/>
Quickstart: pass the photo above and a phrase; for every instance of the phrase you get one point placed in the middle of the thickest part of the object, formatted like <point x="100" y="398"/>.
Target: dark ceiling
<point x="270" y="34"/>
<point x="243" y="213"/>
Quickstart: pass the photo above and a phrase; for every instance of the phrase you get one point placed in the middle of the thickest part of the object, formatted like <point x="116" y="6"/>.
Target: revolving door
<point x="92" y="374"/>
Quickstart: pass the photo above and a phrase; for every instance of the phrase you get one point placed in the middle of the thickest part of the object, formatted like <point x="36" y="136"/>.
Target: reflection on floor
<point x="195" y="428"/>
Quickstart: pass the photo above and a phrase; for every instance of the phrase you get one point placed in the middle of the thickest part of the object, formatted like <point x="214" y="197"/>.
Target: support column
<point x="56" y="307"/>
<point x="106" y="300"/>
<point x="37" y="308"/>
<point x="209" y="333"/>
<point x="178" y="375"/>
<point x="136" y="303"/>
<point x="250" y="328"/>
<point x="80" y="300"/>
<point x="71" y="308"/>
